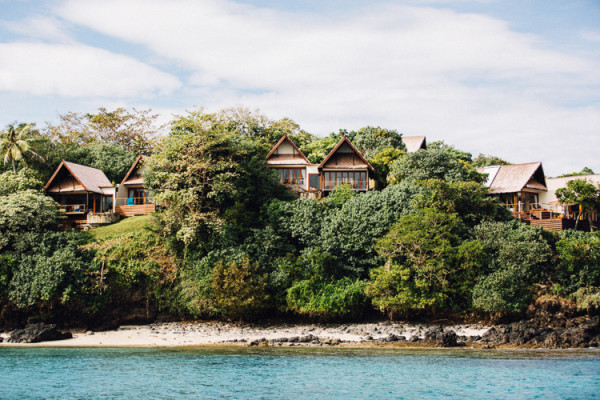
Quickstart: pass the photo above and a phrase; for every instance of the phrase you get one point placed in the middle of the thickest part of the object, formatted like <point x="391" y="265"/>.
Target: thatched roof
<point x="295" y="157"/>
<point x="343" y="161"/>
<point x="515" y="178"/>
<point x="90" y="179"/>
<point x="414" y="143"/>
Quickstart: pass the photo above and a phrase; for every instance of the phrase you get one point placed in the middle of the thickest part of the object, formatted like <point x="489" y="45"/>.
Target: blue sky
<point x="517" y="79"/>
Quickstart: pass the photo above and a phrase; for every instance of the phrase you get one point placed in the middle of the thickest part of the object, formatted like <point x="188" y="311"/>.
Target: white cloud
<point x="464" y="78"/>
<point x="38" y="27"/>
<point x="77" y="70"/>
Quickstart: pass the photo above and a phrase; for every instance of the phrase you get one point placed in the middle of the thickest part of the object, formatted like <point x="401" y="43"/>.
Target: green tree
<point x="583" y="194"/>
<point x="469" y="200"/>
<point x="350" y="232"/>
<point x="134" y="130"/>
<point x="584" y="171"/>
<point x="238" y="290"/>
<point x="442" y="164"/>
<point x="15" y="143"/>
<point x="372" y="140"/>
<point x="456" y="153"/>
<point x="11" y="182"/>
<point x="26" y="211"/>
<point x="213" y="180"/>
<point x="51" y="270"/>
<point x="315" y="298"/>
<point x="382" y="162"/>
<point x="318" y="149"/>
<point x="579" y="260"/>
<point x="483" y="160"/>
<point x="428" y="265"/>
<point x="517" y="256"/>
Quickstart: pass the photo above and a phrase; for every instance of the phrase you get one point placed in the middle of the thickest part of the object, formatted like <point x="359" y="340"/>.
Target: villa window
<point x="292" y="176"/>
<point x="356" y="179"/>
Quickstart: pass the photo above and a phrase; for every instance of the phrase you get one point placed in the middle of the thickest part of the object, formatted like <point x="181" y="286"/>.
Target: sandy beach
<point x="219" y="333"/>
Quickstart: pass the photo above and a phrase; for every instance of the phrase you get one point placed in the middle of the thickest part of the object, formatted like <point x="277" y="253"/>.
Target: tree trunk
<point x="13" y="165"/>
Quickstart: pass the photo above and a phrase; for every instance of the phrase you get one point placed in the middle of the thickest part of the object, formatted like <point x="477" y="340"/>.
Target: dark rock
<point x="438" y="337"/>
<point x="393" y="338"/>
<point x="38" y="333"/>
<point x="307" y="339"/>
<point x="475" y="338"/>
<point x="1" y="339"/>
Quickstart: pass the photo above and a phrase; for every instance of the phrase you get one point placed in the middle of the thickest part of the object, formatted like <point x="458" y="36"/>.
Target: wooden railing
<point x="73" y="208"/>
<point x="134" y="201"/>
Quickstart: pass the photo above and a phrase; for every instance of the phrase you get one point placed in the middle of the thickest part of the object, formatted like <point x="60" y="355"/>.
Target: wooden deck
<point x="557" y="224"/>
<point x="130" y="211"/>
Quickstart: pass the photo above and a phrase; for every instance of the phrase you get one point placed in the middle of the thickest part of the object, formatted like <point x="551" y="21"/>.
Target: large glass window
<point x="292" y="176"/>
<point x="356" y="179"/>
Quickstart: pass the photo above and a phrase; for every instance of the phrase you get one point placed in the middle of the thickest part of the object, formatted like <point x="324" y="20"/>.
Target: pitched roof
<point x="133" y="167"/>
<point x="414" y="143"/>
<point x="335" y="149"/>
<point x="286" y="158"/>
<point x="514" y="178"/>
<point x="92" y="179"/>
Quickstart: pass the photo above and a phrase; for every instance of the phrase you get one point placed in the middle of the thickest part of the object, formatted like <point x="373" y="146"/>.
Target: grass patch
<point x="121" y="228"/>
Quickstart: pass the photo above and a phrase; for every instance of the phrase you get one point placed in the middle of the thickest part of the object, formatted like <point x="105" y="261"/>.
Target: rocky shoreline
<point x="581" y="332"/>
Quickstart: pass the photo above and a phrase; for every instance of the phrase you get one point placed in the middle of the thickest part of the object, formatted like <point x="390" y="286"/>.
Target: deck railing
<point x="538" y="210"/>
<point x="73" y="208"/>
<point x="134" y="201"/>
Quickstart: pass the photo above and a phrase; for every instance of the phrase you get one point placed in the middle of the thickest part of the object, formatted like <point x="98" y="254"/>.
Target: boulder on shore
<point x="439" y="337"/>
<point x="38" y="333"/>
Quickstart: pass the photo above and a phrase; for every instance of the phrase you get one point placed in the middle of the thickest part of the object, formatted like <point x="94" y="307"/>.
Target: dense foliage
<point x="231" y="242"/>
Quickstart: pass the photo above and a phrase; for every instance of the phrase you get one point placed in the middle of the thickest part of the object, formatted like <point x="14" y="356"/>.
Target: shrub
<point x="579" y="260"/>
<point x="344" y="297"/>
<point x="517" y="256"/>
<point x="238" y="291"/>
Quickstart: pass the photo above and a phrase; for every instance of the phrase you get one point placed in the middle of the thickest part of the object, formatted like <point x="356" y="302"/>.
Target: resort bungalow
<point x="132" y="196"/>
<point x="525" y="192"/>
<point x="414" y="143"/>
<point x="291" y="164"/>
<point x="85" y="194"/>
<point x="345" y="165"/>
<point x="516" y="186"/>
<point x="569" y="211"/>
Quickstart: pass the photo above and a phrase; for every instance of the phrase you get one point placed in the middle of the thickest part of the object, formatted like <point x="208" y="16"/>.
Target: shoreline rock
<point x="36" y="333"/>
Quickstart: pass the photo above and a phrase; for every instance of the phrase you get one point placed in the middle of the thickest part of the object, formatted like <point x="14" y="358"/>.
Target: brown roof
<point x="92" y="179"/>
<point x="515" y="178"/>
<point x="286" y="158"/>
<point x="133" y="167"/>
<point x="414" y="143"/>
<point x="335" y="149"/>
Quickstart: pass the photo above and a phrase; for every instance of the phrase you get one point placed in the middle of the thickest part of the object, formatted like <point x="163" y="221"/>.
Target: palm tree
<point x="14" y="144"/>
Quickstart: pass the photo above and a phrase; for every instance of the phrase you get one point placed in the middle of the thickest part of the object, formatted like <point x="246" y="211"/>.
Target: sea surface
<point x="297" y="373"/>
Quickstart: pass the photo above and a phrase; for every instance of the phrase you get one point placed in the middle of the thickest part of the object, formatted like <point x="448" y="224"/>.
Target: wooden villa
<point x="85" y="195"/>
<point x="526" y="193"/>
<point x="291" y="164"/>
<point x="132" y="197"/>
<point x="343" y="165"/>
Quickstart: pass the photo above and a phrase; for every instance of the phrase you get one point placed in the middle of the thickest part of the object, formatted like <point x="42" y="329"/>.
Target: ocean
<point x="297" y="373"/>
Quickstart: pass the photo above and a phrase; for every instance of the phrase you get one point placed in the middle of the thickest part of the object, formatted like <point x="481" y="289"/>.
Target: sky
<point x="518" y="79"/>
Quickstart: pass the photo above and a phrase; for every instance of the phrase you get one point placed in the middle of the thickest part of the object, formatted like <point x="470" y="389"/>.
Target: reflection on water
<point x="298" y="373"/>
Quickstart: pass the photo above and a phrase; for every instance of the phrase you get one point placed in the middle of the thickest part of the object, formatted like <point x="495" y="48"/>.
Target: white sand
<point x="219" y="333"/>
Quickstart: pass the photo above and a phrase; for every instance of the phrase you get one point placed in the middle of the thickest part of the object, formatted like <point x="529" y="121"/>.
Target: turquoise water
<point x="241" y="373"/>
